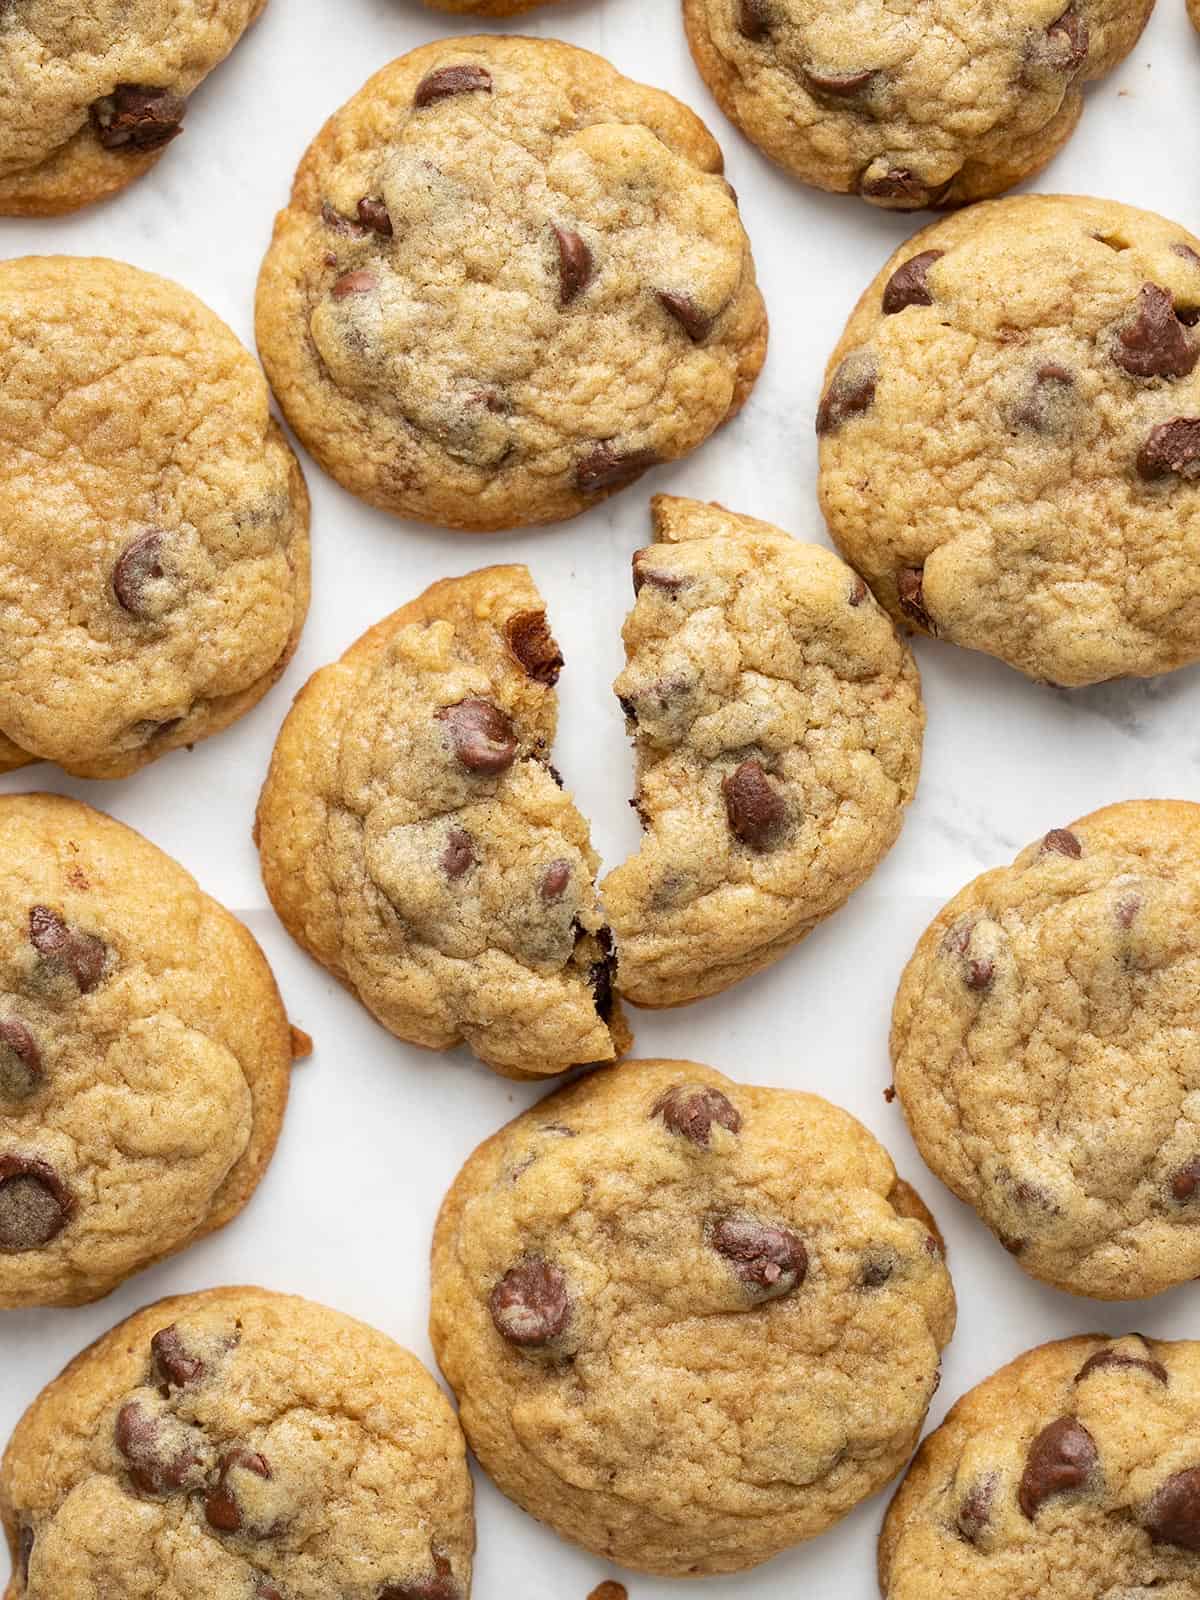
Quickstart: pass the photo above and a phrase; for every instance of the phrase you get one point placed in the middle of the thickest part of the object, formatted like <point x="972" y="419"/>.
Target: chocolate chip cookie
<point x="144" y="1055"/>
<point x="153" y="521"/>
<point x="1072" y="1472"/>
<point x="778" y="722"/>
<point x="239" y="1445"/>
<point x="1010" y="437"/>
<point x="910" y="104"/>
<point x="90" y="96"/>
<point x="417" y="842"/>
<point x="689" y="1322"/>
<point x="1047" y="1050"/>
<point x="508" y="282"/>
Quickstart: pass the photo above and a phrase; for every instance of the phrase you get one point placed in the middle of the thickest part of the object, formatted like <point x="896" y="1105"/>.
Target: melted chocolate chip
<point x="529" y="1305"/>
<point x="340" y="223"/>
<point x="575" y="266"/>
<point x="1043" y="406"/>
<point x="134" y="117"/>
<point x="901" y="185"/>
<point x="530" y="640"/>
<point x="875" y="1274"/>
<point x="753" y="18"/>
<point x="1127" y="909"/>
<point x="158" y="1450"/>
<point x="753" y="805"/>
<point x="1062" y="842"/>
<point x="907" y="286"/>
<point x="360" y="282"/>
<point x="979" y="974"/>
<point x="173" y="1365"/>
<point x="1173" y="1513"/>
<point x="839" y="85"/>
<point x="458" y="856"/>
<point x="975" y="1509"/>
<point x="439" y="1585"/>
<point x="606" y="468"/>
<point x="1171" y="447"/>
<point x="1061" y="1458"/>
<point x="1114" y="1358"/>
<point x="554" y="881"/>
<point x="20" y="1060"/>
<point x="692" y="1110"/>
<point x="769" y="1261"/>
<point x="851" y="391"/>
<point x="81" y="955"/>
<point x="463" y="78"/>
<point x="1154" y="343"/>
<point x="1068" y="41"/>
<point x="600" y="981"/>
<point x="669" y="582"/>
<point x="139" y="564"/>
<point x="910" y="593"/>
<point x="35" y="1205"/>
<point x="482" y="737"/>
<point x="1186" y="1181"/>
<point x="222" y="1509"/>
<point x="697" y="324"/>
<point x="374" y="214"/>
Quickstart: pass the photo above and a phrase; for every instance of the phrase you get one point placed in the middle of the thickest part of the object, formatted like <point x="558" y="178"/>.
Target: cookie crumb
<point x="609" y="1590"/>
<point x="302" y="1045"/>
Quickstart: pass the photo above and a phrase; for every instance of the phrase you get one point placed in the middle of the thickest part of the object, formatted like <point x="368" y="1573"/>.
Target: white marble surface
<point x="377" y="1130"/>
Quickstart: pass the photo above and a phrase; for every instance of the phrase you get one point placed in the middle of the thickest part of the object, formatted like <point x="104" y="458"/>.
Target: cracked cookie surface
<point x="508" y="282"/>
<point x="1010" y="437"/>
<point x="689" y="1322"/>
<point x="1072" y="1472"/>
<point x="239" y="1445"/>
<point x="144" y="1055"/>
<point x="416" y="840"/>
<point x="778" y="721"/>
<point x="154" y="561"/>
<point x="1047" y="1054"/>
<point x="910" y="104"/>
<point x="90" y="96"/>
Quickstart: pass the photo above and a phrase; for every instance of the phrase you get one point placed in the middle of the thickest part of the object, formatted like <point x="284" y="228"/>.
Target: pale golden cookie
<point x="486" y="8"/>
<point x="1010" y="437"/>
<point x="417" y="842"/>
<point x="909" y="103"/>
<point x="1046" y="1044"/>
<point x="90" y="96"/>
<point x="689" y="1322"/>
<point x="778" y="722"/>
<point x="239" y="1445"/>
<point x="144" y="1055"/>
<point x="153" y="522"/>
<point x="1071" y="1474"/>
<point x="508" y="282"/>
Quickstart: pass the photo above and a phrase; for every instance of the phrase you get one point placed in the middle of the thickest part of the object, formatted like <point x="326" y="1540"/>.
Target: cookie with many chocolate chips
<point x="778" y="721"/>
<point x="416" y="840"/>
<point x="1010" y="437"/>
<point x="239" y="1445"/>
<point x="1046" y="1046"/>
<point x="909" y="103"/>
<point x="509" y="280"/>
<point x="154" y="564"/>
<point x="689" y="1322"/>
<point x="1074" y="1472"/>
<point x="90" y="96"/>
<point x="144" y="1055"/>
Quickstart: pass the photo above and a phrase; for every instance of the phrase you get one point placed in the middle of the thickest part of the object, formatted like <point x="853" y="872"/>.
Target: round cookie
<point x="910" y="104"/>
<point x="1194" y="12"/>
<point x="486" y="8"/>
<point x="508" y="282"/>
<point x="417" y="842"/>
<point x="144" y="1055"/>
<point x="239" y="1445"/>
<point x="1072" y="1472"/>
<point x="90" y="96"/>
<point x="153" y="521"/>
<point x="1047" y="1050"/>
<point x="1010" y="437"/>
<point x="778" y="722"/>
<point x="689" y="1322"/>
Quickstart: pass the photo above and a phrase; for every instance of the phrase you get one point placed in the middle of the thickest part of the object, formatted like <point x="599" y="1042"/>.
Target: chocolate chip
<point x="910" y="592"/>
<point x="25" y="1543"/>
<point x="1114" y="1358"/>
<point x="1171" y="447"/>
<point x="1127" y="909"/>
<point x="697" y="324"/>
<point x="753" y="18"/>
<point x="1068" y="40"/>
<point x="600" y="981"/>
<point x="35" y="1205"/>
<point x="1154" y="343"/>
<point x="575" y="265"/>
<point x="529" y="1305"/>
<point x="340" y="223"/>
<point x="769" y="1261"/>
<point x="606" y="468"/>
<point x="173" y="1365"/>
<point x="66" y="949"/>
<point x="858" y="591"/>
<point x="359" y="282"/>
<point x="753" y="805"/>
<point x="1061" y="1458"/>
<point x="629" y="709"/>
<point x="20" y="1060"/>
<point x="1042" y="406"/>
<point x="458" y="856"/>
<point x="691" y="1110"/>
<point x="1173" y="1513"/>
<point x="554" y="880"/>
<point x="907" y="286"/>
<point x="851" y="391"/>
<point x="885" y="182"/>
<point x="268" y="1591"/>
<point x="670" y="582"/>
<point x="1186" y="1181"/>
<point x="979" y="974"/>
<point x="439" y="1585"/>
<point x="463" y="78"/>
<point x="530" y="640"/>
<point x="374" y="214"/>
<point x="159" y="1451"/>
<point x="222" y="1509"/>
<point x="839" y="85"/>
<point x="483" y="738"/>
<point x="875" y="1274"/>
<point x="1062" y="842"/>
<point x="975" y="1509"/>
<point x="135" y="117"/>
<point x="139" y="564"/>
